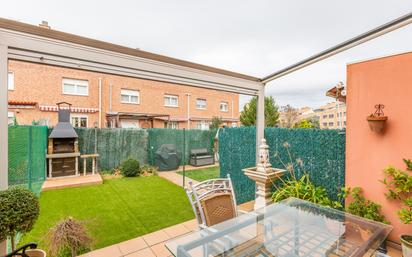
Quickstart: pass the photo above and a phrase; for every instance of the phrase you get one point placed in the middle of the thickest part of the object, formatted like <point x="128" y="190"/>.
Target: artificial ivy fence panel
<point x="236" y="152"/>
<point x="117" y="144"/>
<point x="321" y="152"/>
<point x="193" y="138"/>
<point x="27" y="156"/>
<point x="113" y="145"/>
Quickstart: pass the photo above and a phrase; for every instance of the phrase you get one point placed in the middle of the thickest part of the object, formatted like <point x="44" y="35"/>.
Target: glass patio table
<point x="290" y="228"/>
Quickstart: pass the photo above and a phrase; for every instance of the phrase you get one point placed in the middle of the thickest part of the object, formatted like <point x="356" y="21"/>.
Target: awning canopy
<point x="55" y="108"/>
<point x="337" y="93"/>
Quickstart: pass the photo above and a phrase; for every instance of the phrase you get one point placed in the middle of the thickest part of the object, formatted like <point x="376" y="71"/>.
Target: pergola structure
<point x="20" y="41"/>
<point x="114" y="118"/>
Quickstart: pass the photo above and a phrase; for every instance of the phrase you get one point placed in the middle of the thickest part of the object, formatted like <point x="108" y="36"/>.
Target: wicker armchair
<point x="213" y="201"/>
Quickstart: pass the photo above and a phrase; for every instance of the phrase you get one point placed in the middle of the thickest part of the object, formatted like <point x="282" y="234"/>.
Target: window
<point x="330" y="124"/>
<point x="325" y="124"/>
<point x="331" y="115"/>
<point x="75" y="87"/>
<point x="10" y="81"/>
<point x="79" y="121"/>
<point x="130" y="124"/>
<point x="224" y="106"/>
<point x="338" y="123"/>
<point x="234" y="124"/>
<point x="130" y="96"/>
<point x="324" y="116"/>
<point x="201" y="103"/>
<point x="171" y="100"/>
<point x="203" y="125"/>
<point x="172" y="124"/>
<point x="10" y="116"/>
<point x="344" y="123"/>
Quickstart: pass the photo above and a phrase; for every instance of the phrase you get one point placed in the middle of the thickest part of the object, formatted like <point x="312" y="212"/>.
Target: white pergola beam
<point x="260" y="120"/>
<point x="3" y="118"/>
<point x="34" y="48"/>
<point x="374" y="33"/>
<point x="4" y="161"/>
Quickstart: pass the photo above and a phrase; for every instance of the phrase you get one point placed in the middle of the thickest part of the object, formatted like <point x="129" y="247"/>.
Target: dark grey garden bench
<point x="201" y="157"/>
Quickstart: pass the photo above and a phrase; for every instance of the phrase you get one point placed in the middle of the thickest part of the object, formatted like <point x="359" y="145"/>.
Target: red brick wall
<point x="43" y="84"/>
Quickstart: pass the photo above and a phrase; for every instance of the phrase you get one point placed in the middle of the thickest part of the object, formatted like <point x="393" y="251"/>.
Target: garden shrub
<point x="148" y="170"/>
<point x="304" y="189"/>
<point x="361" y="206"/>
<point x="19" y="210"/>
<point x="130" y="168"/>
<point x="69" y="235"/>
<point x="399" y="185"/>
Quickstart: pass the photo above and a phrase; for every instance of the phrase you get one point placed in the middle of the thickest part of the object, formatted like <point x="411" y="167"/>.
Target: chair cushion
<point x="218" y="208"/>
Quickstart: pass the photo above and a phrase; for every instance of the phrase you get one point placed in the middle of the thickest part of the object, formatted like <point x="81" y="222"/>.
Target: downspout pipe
<point x="371" y="34"/>
<point x="100" y="102"/>
<point x="188" y="110"/>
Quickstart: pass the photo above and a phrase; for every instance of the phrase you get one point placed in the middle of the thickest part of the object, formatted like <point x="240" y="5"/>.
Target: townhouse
<point x="107" y="100"/>
<point x="332" y="116"/>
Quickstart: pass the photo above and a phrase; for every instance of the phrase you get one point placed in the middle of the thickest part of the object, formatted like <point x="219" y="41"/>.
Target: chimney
<point x="44" y="24"/>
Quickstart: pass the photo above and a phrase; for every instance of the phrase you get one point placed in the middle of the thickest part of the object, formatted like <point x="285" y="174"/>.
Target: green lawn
<point x="203" y="174"/>
<point x="118" y="210"/>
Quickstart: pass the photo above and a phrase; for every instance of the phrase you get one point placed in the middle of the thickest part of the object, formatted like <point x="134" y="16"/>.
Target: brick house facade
<point x="106" y="100"/>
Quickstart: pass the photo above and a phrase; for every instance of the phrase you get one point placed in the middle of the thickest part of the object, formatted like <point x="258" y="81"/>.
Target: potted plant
<point x="19" y="210"/>
<point x="377" y="120"/>
<point x="364" y="208"/>
<point x="399" y="185"/>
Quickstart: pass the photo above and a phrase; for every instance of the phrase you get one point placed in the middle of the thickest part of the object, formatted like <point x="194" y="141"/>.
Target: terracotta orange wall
<point x="385" y="81"/>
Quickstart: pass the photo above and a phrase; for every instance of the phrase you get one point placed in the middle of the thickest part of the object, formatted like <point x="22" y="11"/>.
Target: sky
<point x="251" y="37"/>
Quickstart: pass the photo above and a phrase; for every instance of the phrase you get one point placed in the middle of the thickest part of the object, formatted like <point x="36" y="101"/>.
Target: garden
<point x="132" y="200"/>
<point x="125" y="206"/>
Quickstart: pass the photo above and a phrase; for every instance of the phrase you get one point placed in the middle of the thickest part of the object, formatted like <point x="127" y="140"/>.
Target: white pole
<point x="260" y="119"/>
<point x="3" y="128"/>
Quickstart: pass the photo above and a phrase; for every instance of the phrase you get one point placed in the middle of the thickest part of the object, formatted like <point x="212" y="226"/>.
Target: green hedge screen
<point x="321" y="151"/>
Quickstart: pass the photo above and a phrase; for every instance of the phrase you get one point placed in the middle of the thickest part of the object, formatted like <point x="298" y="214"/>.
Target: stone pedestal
<point x="264" y="175"/>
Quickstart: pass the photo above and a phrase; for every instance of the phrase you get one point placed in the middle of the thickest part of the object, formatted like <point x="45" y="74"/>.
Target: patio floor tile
<point x="132" y="245"/>
<point x="160" y="250"/>
<point x="191" y="225"/>
<point x="156" y="237"/>
<point x="147" y="252"/>
<point x="112" y="251"/>
<point x="176" y="230"/>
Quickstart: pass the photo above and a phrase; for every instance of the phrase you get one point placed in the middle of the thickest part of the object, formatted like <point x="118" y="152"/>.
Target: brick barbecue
<point x="63" y="150"/>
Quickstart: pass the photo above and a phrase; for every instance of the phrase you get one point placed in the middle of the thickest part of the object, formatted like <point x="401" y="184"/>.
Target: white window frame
<point x="203" y="125"/>
<point x="129" y="93"/>
<point x="201" y="107"/>
<point x="76" y="83"/>
<point x="168" y="104"/>
<point x="10" y="80"/>
<point x="234" y="124"/>
<point x="77" y="116"/>
<point x="172" y="124"/>
<point x="10" y="118"/>
<point x="223" y="103"/>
